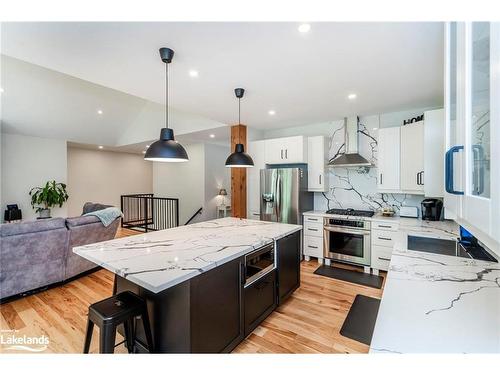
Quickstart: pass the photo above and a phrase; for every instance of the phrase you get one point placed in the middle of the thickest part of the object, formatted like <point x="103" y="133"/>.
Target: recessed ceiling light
<point x="304" y="28"/>
<point x="99" y="112"/>
<point x="272" y="112"/>
<point x="101" y="147"/>
<point x="193" y="73"/>
<point x="212" y="135"/>
<point x="352" y="96"/>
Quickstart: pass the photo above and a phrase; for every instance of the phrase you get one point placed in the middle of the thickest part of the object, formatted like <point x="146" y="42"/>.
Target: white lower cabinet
<point x="383" y="236"/>
<point x="313" y="246"/>
<point x="381" y="257"/>
<point x="313" y="237"/>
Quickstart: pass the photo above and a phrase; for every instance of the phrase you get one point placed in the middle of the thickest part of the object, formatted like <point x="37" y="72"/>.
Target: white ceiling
<point x="305" y="78"/>
<point x="220" y="136"/>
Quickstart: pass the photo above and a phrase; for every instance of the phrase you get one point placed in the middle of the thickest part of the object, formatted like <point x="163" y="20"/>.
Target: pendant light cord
<point x="166" y="95"/>
<point x="239" y="120"/>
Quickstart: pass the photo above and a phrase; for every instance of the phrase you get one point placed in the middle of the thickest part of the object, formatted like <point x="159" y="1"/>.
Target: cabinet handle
<point x="384" y="226"/>
<point x="381" y="179"/>
<point x="420" y="176"/>
<point x="312" y="247"/>
<point x="449" y="170"/>
<point x="311" y="219"/>
<point x="281" y="154"/>
<point x="313" y="230"/>
<point x="286" y="154"/>
<point x="384" y="238"/>
<point x="320" y="179"/>
<point x="387" y="259"/>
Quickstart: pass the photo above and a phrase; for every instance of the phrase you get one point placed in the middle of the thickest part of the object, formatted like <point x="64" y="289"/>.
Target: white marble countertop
<point x="447" y="229"/>
<point x="438" y="304"/>
<point x="159" y="260"/>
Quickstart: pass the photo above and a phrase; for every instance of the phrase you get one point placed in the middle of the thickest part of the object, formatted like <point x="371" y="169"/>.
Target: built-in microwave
<point x="259" y="263"/>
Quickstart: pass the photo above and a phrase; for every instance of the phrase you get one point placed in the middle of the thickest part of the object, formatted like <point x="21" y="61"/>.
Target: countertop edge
<point x="181" y="279"/>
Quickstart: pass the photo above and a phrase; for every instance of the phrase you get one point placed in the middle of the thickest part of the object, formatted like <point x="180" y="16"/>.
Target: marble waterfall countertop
<point x="438" y="304"/>
<point x="159" y="260"/>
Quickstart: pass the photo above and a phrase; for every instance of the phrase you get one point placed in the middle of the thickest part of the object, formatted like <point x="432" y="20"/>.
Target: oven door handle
<point x="348" y="231"/>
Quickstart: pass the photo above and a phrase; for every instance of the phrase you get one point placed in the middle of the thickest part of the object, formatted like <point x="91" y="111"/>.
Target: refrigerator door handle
<point x="278" y="198"/>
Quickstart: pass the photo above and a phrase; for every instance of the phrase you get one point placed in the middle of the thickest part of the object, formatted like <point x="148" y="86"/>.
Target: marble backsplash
<point x="357" y="187"/>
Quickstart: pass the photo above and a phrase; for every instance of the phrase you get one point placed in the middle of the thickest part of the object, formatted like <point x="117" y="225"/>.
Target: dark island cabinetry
<point x="288" y="251"/>
<point x="214" y="311"/>
<point x="216" y="305"/>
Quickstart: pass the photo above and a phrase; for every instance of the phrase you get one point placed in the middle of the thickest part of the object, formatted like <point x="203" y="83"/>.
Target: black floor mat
<point x="361" y="318"/>
<point x="351" y="276"/>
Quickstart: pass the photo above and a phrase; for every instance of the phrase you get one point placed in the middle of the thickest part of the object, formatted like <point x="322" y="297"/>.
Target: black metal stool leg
<point x="107" y="338"/>
<point x="147" y="329"/>
<point x="128" y="326"/>
<point x="88" y="336"/>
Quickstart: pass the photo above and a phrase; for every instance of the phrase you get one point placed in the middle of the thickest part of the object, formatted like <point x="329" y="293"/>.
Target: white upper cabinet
<point x="317" y="157"/>
<point x="472" y="159"/>
<point x="433" y="153"/>
<point x="389" y="140"/>
<point x="412" y="157"/>
<point x="289" y="150"/>
<point x="256" y="150"/>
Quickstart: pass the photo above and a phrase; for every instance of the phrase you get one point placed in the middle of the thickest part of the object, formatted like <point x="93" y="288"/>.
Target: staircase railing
<point x="196" y="213"/>
<point x="146" y="212"/>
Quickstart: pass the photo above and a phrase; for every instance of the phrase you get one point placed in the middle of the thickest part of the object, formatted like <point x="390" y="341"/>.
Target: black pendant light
<point x="166" y="149"/>
<point x="239" y="158"/>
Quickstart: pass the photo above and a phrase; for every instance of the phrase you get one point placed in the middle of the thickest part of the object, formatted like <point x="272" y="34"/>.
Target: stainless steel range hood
<point x="351" y="157"/>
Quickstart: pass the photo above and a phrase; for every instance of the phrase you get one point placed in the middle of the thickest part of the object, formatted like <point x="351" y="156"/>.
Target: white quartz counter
<point x="159" y="260"/>
<point x="438" y="304"/>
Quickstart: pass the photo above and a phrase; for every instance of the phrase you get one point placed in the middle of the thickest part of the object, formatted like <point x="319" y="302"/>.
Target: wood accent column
<point x="239" y="175"/>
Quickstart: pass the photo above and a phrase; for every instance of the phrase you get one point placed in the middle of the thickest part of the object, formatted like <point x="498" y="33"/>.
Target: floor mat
<point x="351" y="276"/>
<point x="360" y="321"/>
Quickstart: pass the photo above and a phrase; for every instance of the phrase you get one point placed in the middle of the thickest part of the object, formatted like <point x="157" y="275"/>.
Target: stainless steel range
<point x="347" y="237"/>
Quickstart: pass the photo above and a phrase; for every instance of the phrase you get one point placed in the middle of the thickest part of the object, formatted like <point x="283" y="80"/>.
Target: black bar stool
<point x="107" y="314"/>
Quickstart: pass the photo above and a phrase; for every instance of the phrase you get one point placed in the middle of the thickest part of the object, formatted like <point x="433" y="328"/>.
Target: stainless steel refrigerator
<point x="283" y="194"/>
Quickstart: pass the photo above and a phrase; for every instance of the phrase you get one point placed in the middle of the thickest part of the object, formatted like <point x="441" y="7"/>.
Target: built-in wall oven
<point x="347" y="240"/>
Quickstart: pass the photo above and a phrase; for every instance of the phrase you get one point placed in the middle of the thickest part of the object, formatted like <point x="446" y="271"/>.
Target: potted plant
<point x="50" y="195"/>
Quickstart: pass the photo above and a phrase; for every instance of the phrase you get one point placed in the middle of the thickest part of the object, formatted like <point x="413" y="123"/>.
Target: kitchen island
<point x="195" y="279"/>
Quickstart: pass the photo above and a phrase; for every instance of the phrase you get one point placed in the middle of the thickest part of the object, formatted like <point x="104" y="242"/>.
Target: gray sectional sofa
<point x="36" y="254"/>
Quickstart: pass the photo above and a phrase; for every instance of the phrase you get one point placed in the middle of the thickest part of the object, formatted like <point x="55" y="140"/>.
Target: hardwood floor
<point x="309" y="322"/>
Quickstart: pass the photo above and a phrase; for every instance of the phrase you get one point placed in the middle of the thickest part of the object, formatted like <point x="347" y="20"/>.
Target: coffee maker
<point x="431" y="209"/>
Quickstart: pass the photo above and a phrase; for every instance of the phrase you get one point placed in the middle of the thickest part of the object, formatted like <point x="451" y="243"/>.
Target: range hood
<point x="351" y="157"/>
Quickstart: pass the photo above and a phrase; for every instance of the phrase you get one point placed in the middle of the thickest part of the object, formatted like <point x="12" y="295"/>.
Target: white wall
<point x="28" y="162"/>
<point x="103" y="176"/>
<point x="185" y="181"/>
<point x="196" y="182"/>
<point x="217" y="176"/>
